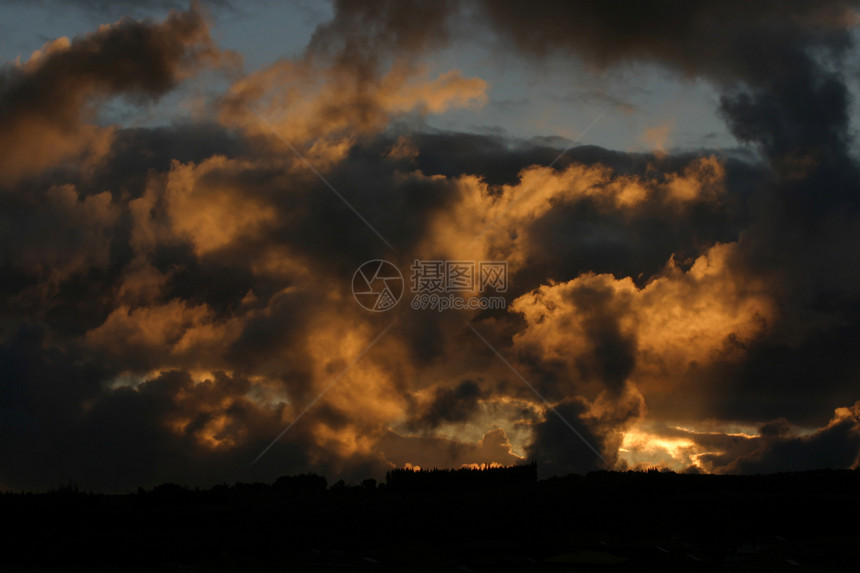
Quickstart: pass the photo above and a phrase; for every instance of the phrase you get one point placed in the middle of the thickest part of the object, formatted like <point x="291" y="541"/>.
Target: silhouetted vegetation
<point x="305" y="484"/>
<point x="498" y="519"/>
<point x="460" y="479"/>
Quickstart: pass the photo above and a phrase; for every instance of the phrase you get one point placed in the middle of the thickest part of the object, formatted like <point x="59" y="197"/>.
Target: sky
<point x="220" y="224"/>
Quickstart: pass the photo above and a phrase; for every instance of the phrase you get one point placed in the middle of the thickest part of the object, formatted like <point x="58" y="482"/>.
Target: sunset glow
<point x="667" y="227"/>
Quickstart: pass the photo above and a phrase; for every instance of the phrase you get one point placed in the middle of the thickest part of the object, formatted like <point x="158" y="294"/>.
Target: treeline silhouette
<point x="495" y="519"/>
<point x="400" y="480"/>
<point x="460" y="479"/>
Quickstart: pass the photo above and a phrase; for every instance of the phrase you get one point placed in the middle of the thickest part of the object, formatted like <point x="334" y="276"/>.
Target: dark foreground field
<point x="503" y="520"/>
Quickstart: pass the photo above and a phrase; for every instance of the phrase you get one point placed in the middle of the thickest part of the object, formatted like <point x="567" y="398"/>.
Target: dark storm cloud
<point x="723" y="40"/>
<point x="135" y="151"/>
<point x="111" y="441"/>
<point x="612" y="355"/>
<point x="776" y="378"/>
<point x="364" y="35"/>
<point x="46" y="105"/>
<point x="561" y="451"/>
<point x="129" y="57"/>
<point x="398" y="201"/>
<point x="456" y="404"/>
<point x="779" y="449"/>
<point x="804" y="235"/>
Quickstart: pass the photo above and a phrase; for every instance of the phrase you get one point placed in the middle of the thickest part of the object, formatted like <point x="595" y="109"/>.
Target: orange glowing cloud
<point x="720" y="446"/>
<point x="209" y="211"/>
<point x="677" y="318"/>
<point x="657" y="136"/>
<point x="179" y="334"/>
<point x="322" y="109"/>
<point x="486" y="220"/>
